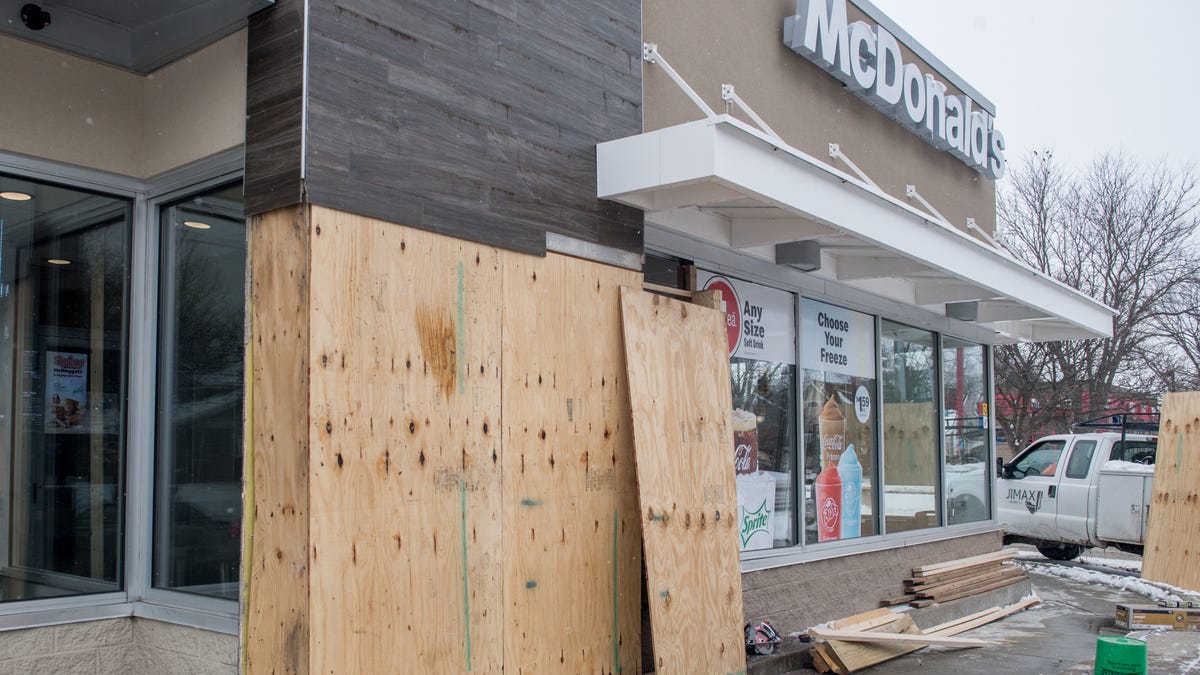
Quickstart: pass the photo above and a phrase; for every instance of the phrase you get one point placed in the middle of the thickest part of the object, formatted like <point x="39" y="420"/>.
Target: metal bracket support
<point x="910" y="191"/>
<point x="835" y="151"/>
<point x="730" y="96"/>
<point x="650" y="55"/>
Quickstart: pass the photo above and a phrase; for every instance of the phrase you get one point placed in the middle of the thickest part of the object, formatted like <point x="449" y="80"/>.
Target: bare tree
<point x="1121" y="232"/>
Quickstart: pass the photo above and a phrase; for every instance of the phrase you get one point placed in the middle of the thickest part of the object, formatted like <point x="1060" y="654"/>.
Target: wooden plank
<point x="831" y="660"/>
<point x="667" y="290"/>
<point x="572" y="544"/>
<point x="819" y="663"/>
<point x="972" y="591"/>
<point x="944" y="628"/>
<point x="900" y="600"/>
<point x="937" y="590"/>
<point x="982" y="618"/>
<point x="855" y="656"/>
<point x="682" y="427"/>
<point x="709" y="299"/>
<point x="927" y="570"/>
<point x="404" y="473"/>
<point x="867" y="636"/>
<point x="939" y="577"/>
<point x="275" y="550"/>
<point x="1172" y="545"/>
<point x="856" y="619"/>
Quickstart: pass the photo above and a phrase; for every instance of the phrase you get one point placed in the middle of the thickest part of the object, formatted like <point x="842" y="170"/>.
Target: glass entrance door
<point x="63" y="287"/>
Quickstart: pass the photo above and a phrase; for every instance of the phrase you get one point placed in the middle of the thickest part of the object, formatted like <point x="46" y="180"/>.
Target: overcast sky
<point x="1081" y="77"/>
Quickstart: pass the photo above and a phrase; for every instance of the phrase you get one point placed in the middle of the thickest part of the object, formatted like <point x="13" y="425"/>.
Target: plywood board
<point x="680" y="396"/>
<point x="572" y="544"/>
<point x="405" y="462"/>
<point x="853" y="656"/>
<point x="275" y="565"/>
<point x="1173" y="528"/>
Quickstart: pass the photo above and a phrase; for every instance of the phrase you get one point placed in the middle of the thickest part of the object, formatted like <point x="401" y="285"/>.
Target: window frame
<point x="665" y="243"/>
<point x="138" y="598"/>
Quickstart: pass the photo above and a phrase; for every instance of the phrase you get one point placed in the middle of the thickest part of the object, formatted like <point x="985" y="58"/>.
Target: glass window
<point x="198" y="490"/>
<point x="910" y="424"/>
<point x="965" y="437"/>
<point x="1039" y="460"/>
<point x="761" y="331"/>
<point x="1140" y="451"/>
<point x="1081" y="459"/>
<point x="839" y="422"/>
<point x="63" y="331"/>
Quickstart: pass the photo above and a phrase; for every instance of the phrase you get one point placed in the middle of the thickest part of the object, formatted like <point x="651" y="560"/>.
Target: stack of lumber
<point x="959" y="579"/>
<point x="851" y="644"/>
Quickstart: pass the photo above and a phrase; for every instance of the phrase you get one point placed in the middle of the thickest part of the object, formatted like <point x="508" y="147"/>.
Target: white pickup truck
<point x="1069" y="492"/>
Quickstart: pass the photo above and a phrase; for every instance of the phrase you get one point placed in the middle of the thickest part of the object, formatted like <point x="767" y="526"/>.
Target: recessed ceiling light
<point x="58" y="261"/>
<point x="14" y="196"/>
<point x="197" y="224"/>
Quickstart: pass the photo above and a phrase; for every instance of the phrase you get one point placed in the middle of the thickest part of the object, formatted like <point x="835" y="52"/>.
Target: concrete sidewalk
<point x="1056" y="636"/>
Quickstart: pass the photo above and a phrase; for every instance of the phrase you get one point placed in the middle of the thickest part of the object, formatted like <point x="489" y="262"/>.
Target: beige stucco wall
<point x="64" y="108"/>
<point x="67" y="109"/>
<point x="712" y="42"/>
<point x="196" y="106"/>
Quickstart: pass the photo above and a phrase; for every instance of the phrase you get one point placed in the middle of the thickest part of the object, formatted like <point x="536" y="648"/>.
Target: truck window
<point x="1038" y="460"/>
<point x="1081" y="459"/>
<point x="1139" y="451"/>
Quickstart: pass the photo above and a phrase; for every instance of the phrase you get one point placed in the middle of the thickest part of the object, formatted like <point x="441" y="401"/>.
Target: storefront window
<point x="63" y="335"/>
<point x="761" y="327"/>
<point x="198" y="495"/>
<point x="965" y="433"/>
<point x="910" y="428"/>
<point x="839" y="422"/>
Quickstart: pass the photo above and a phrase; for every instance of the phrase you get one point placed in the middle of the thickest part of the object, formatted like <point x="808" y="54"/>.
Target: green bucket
<point x="1120" y="656"/>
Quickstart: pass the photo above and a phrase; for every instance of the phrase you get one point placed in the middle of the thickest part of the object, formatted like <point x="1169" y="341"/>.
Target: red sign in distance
<point x="733" y="312"/>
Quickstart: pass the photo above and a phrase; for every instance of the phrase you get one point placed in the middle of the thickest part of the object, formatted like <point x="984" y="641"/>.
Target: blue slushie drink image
<point x="851" y="473"/>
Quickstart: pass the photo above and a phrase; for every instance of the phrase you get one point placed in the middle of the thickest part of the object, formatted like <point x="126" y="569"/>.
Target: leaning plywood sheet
<point x="404" y="475"/>
<point x="1173" y="529"/>
<point x="680" y="395"/>
<point x="572" y="544"/>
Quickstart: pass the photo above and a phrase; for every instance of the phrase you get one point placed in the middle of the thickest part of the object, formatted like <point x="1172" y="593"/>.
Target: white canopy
<point x="725" y="182"/>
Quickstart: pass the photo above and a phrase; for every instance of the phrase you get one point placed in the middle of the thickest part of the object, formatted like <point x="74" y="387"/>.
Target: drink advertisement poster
<point x="66" y="392"/>
<point x="761" y="330"/>
<point x="838" y="357"/>
<point x="760" y="322"/>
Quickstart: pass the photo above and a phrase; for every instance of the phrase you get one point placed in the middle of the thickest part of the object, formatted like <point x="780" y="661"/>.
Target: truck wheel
<point x="1060" y="551"/>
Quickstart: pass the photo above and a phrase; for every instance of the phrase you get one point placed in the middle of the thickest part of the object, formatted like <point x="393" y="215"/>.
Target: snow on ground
<point x="1151" y="589"/>
<point x="1115" y="563"/>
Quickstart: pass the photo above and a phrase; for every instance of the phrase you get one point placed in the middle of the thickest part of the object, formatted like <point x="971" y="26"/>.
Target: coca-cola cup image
<point x="831" y="428"/>
<point x="745" y="442"/>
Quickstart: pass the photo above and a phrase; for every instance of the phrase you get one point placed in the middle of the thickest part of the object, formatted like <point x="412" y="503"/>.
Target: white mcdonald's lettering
<point x="867" y="59"/>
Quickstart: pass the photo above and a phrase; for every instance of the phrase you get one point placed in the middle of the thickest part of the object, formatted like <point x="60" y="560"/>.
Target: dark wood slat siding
<point x="274" y="91"/>
<point x="477" y="119"/>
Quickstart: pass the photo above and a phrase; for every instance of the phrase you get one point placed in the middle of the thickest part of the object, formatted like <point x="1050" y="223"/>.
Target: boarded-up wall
<point x="1173" y="530"/>
<point x="471" y="496"/>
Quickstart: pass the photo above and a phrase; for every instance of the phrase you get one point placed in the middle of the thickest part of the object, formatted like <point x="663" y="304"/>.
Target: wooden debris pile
<point x="959" y="579"/>
<point x="851" y="644"/>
